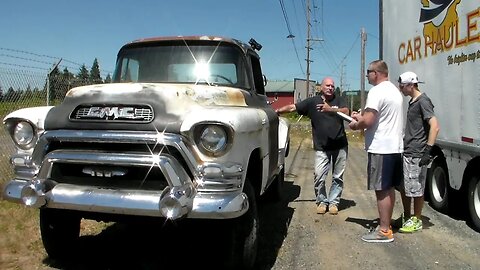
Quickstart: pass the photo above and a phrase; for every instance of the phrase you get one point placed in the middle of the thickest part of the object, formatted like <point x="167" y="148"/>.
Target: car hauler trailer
<point x="440" y="41"/>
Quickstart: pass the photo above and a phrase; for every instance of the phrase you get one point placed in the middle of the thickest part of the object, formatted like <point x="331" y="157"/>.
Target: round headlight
<point x="23" y="134"/>
<point x="213" y="139"/>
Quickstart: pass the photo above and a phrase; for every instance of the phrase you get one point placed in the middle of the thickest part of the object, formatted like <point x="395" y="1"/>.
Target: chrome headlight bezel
<point x="23" y="133"/>
<point x="213" y="139"/>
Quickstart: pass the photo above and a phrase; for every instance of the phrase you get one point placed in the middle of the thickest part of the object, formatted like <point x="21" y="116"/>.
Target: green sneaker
<point x="413" y="224"/>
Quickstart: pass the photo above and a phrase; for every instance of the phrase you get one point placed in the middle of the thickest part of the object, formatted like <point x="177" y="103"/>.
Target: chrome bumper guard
<point x="182" y="198"/>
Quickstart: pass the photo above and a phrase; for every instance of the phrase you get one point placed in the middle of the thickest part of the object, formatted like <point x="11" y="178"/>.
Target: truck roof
<point x="245" y="47"/>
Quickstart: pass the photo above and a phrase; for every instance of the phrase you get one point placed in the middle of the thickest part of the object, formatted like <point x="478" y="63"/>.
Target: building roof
<point x="280" y="87"/>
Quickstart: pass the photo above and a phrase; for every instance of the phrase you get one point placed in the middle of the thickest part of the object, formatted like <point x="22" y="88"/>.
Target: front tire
<point x="474" y="201"/>
<point x="60" y="231"/>
<point x="438" y="186"/>
<point x="274" y="192"/>
<point x="244" y="235"/>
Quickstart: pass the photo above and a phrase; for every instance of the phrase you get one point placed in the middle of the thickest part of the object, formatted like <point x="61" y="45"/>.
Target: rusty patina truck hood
<point x="169" y="104"/>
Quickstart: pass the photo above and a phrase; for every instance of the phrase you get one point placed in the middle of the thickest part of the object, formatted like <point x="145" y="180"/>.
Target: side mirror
<point x="265" y="81"/>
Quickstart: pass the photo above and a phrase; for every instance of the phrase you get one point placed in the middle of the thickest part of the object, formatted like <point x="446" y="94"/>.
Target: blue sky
<point x="36" y="34"/>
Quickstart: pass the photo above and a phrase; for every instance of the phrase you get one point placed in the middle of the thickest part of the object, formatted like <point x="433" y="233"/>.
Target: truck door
<point x="272" y="116"/>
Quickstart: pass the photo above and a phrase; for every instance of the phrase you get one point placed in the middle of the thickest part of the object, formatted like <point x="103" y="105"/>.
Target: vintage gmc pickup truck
<point x="184" y="131"/>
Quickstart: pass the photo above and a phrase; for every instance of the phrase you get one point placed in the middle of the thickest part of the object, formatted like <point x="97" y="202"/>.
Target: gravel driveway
<point x="315" y="241"/>
<point x="293" y="236"/>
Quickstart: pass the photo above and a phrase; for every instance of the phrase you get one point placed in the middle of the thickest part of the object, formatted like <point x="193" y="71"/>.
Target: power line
<point x="43" y="62"/>
<point x="298" y="57"/>
<point x="290" y="35"/>
<point x="285" y="17"/>
<point x="23" y="66"/>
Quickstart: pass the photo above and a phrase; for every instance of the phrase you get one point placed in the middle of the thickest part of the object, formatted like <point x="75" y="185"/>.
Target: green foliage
<point x="108" y="79"/>
<point x="57" y="84"/>
<point x="83" y="75"/>
<point x="94" y="76"/>
<point x="294" y="117"/>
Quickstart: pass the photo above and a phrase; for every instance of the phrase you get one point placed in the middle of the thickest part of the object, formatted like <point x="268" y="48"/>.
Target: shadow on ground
<point x="154" y="244"/>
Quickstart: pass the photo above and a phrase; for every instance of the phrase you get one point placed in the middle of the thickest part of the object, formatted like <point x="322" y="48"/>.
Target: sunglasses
<point x="370" y="70"/>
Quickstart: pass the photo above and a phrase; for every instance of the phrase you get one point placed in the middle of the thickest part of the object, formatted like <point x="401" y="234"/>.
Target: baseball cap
<point x="408" y="77"/>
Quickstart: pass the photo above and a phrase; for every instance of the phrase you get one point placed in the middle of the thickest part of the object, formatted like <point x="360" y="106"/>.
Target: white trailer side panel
<point x="449" y="67"/>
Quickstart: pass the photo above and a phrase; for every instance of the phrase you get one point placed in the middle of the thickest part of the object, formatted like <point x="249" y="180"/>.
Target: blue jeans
<point x="323" y="162"/>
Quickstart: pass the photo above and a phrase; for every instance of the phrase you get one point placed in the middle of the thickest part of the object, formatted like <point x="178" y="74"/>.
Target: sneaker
<point x="398" y="223"/>
<point x="333" y="209"/>
<point x="413" y="224"/>
<point x="321" y="209"/>
<point x="378" y="236"/>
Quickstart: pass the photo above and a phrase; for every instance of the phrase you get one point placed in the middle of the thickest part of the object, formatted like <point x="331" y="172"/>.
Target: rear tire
<point x="474" y="201"/>
<point x="438" y="186"/>
<point x="60" y="231"/>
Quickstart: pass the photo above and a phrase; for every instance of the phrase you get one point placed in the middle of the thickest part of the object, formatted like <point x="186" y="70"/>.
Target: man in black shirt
<point x="329" y="142"/>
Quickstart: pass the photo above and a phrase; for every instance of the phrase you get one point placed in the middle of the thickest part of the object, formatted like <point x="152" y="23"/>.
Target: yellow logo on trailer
<point x="443" y="30"/>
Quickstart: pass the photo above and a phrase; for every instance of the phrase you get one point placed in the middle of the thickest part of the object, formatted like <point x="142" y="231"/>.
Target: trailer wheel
<point x="474" y="201"/>
<point x="437" y="185"/>
<point x="60" y="230"/>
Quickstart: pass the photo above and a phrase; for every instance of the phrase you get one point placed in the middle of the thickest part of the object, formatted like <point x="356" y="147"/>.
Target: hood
<point x="137" y="106"/>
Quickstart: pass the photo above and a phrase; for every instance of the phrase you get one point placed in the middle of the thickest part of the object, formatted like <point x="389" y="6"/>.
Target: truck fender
<point x="283" y="138"/>
<point x="35" y="115"/>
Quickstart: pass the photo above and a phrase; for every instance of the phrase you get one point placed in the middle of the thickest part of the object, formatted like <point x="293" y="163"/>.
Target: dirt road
<point x="315" y="241"/>
<point x="293" y="236"/>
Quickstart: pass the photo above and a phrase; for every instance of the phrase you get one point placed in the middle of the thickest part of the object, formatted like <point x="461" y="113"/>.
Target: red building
<point x="281" y="93"/>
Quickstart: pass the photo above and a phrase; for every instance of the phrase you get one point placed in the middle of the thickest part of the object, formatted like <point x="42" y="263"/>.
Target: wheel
<point x="474" y="201"/>
<point x="244" y="235"/>
<point x="60" y="229"/>
<point x="275" y="190"/>
<point x="437" y="185"/>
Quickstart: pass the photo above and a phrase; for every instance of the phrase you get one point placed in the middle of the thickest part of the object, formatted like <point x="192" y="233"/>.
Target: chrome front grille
<point x="129" y="113"/>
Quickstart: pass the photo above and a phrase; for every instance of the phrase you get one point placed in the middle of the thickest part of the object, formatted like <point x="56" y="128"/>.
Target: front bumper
<point x="124" y="202"/>
<point x="209" y="190"/>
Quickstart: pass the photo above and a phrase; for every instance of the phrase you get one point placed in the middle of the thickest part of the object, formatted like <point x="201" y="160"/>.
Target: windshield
<point x="179" y="63"/>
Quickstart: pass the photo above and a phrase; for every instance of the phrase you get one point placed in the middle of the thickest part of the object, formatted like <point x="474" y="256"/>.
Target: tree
<point x="28" y="93"/>
<point x="94" y="76"/>
<point x="83" y="75"/>
<point x="108" y="79"/>
<point x="10" y="96"/>
<point x="66" y="82"/>
<point x="54" y="79"/>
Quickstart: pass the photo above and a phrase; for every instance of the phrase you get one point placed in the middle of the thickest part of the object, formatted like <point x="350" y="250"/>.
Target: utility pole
<point x="342" y="74"/>
<point x="362" y="69"/>
<point x="308" y="48"/>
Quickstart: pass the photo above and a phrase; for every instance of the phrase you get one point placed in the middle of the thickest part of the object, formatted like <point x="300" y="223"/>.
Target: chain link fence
<point x="28" y="88"/>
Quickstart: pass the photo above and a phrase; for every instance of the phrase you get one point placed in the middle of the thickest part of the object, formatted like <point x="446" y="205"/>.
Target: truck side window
<point x="257" y="75"/>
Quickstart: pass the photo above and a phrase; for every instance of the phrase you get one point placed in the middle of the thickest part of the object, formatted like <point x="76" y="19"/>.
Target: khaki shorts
<point x="414" y="177"/>
<point x="384" y="171"/>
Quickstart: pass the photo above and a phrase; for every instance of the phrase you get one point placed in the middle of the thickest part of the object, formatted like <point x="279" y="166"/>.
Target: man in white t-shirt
<point x="382" y="120"/>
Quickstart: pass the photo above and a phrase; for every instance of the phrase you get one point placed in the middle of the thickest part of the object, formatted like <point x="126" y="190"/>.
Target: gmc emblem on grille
<point x="112" y="112"/>
<point x="136" y="113"/>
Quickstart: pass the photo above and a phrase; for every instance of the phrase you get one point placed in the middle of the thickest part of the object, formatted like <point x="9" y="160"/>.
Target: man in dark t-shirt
<point x="329" y="142"/>
<point x="421" y="130"/>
